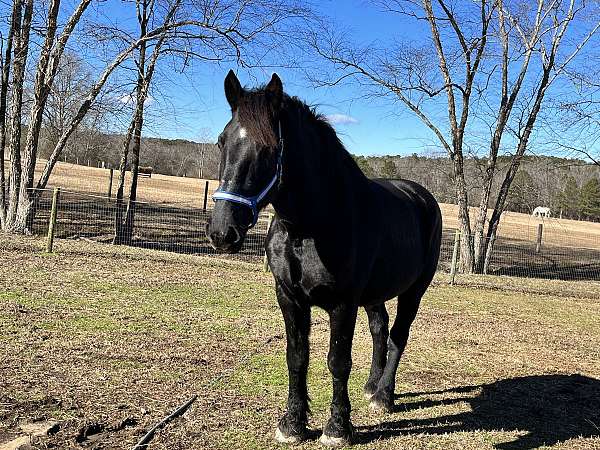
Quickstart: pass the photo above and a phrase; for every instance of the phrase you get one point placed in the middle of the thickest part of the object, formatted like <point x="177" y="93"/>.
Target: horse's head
<point x="250" y="165"/>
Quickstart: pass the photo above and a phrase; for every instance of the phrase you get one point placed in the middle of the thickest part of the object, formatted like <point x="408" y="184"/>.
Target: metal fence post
<point x="265" y="260"/>
<point x="454" y="257"/>
<point x="110" y="182"/>
<point x="52" y="224"/>
<point x="205" y="195"/>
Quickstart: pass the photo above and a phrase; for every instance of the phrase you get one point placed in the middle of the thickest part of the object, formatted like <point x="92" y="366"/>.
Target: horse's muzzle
<point x="228" y="241"/>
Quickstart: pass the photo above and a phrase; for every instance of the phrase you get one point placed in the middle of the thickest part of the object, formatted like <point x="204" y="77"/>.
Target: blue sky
<point x="370" y="127"/>
<point x="192" y="105"/>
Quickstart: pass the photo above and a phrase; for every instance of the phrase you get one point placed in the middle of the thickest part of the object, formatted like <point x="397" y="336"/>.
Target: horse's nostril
<point x="217" y="237"/>
<point x="221" y="239"/>
<point x="232" y="237"/>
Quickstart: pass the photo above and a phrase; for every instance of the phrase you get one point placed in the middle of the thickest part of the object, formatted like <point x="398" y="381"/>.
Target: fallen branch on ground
<point x="143" y="442"/>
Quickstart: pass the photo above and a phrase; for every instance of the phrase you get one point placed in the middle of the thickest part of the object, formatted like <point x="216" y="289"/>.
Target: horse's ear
<point x="274" y="92"/>
<point x="233" y="90"/>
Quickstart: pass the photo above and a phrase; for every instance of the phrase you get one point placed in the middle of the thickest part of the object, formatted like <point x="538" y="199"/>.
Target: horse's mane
<point x="256" y="114"/>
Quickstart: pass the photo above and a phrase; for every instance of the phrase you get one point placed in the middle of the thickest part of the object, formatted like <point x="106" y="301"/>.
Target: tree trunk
<point x="464" y="222"/>
<point x="25" y="210"/>
<point x="124" y="228"/>
<point x="6" y="64"/>
<point x="479" y="242"/>
<point x="516" y="161"/>
<point x="118" y="238"/>
<point x="15" y="221"/>
<point x="49" y="58"/>
<point x="135" y="164"/>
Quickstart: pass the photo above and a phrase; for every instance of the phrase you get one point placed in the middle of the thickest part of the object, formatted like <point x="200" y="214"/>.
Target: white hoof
<point x="368" y="396"/>
<point x="283" y="439"/>
<point x="378" y="407"/>
<point x="330" y="441"/>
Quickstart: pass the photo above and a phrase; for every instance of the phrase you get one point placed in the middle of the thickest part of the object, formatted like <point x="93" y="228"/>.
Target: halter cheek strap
<point x="252" y="202"/>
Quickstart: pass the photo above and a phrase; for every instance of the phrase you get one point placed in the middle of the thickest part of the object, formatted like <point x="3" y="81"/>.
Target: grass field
<point x="189" y="192"/>
<point x="108" y="340"/>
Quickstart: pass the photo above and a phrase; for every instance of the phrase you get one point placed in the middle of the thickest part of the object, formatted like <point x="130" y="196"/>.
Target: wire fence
<point x="181" y="229"/>
<point x="165" y="227"/>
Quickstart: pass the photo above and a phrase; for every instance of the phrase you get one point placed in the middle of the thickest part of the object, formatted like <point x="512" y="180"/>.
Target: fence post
<point x="52" y="224"/>
<point x="265" y="260"/>
<point x="205" y="195"/>
<point x="538" y="245"/>
<point x="454" y="257"/>
<point x="110" y="181"/>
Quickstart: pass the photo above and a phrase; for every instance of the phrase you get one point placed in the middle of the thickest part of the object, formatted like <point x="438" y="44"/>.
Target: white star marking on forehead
<point x="243" y="133"/>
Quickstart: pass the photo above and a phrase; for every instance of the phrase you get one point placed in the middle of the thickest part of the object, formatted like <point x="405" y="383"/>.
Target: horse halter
<point x="252" y="202"/>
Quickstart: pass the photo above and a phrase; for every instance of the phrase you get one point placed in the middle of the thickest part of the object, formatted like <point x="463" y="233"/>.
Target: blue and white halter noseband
<point x="252" y="202"/>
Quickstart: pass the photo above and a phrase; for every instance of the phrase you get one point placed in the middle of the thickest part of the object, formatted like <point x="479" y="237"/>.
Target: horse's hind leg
<point x="408" y="304"/>
<point x="378" y="325"/>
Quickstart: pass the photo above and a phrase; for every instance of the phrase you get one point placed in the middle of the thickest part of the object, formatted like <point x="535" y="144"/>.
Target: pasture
<point x="189" y="193"/>
<point x="108" y="340"/>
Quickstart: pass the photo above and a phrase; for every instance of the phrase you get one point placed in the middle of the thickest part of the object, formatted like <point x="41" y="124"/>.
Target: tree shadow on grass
<point x="547" y="409"/>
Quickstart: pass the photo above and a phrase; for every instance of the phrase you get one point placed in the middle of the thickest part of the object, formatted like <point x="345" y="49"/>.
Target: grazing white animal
<point x="541" y="211"/>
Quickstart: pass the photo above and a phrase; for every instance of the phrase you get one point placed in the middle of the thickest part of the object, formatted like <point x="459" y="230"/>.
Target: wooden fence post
<point x="265" y="260"/>
<point x="205" y="195"/>
<point x="52" y="224"/>
<point x="454" y="257"/>
<point x="538" y="244"/>
<point x="110" y="182"/>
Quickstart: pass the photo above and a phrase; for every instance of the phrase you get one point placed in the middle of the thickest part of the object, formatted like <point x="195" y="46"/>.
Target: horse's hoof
<point x="333" y="442"/>
<point x="379" y="405"/>
<point x="283" y="439"/>
<point x="369" y="390"/>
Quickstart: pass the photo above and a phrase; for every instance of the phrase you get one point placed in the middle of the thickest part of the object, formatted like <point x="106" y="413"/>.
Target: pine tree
<point x="388" y="168"/>
<point x="364" y="165"/>
<point x="589" y="199"/>
<point x="569" y="199"/>
<point x="524" y="193"/>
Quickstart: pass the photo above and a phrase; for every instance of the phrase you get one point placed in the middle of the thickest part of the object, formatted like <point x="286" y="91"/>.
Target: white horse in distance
<point x="541" y="211"/>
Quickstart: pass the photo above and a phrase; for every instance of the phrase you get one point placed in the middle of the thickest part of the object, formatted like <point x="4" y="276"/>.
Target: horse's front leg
<point x="292" y="426"/>
<point x="338" y="430"/>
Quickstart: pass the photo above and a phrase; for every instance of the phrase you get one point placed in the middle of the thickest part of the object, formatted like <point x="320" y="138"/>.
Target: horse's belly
<point x="391" y="277"/>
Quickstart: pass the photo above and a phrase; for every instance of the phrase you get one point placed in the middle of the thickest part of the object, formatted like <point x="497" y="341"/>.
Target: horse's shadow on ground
<point x="546" y="409"/>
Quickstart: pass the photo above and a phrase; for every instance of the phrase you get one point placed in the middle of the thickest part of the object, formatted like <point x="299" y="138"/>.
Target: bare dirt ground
<point x="108" y="340"/>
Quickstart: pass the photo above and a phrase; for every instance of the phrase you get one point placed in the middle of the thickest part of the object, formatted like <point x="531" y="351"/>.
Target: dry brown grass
<point x="523" y="227"/>
<point x="156" y="189"/>
<point x="98" y="334"/>
<point x="190" y="192"/>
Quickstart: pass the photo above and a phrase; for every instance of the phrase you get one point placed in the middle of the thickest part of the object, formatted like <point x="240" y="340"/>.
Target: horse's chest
<point x="304" y="272"/>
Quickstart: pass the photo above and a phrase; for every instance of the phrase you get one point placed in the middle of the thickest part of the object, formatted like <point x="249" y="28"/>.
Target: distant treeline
<point x="178" y="157"/>
<point x="569" y="187"/>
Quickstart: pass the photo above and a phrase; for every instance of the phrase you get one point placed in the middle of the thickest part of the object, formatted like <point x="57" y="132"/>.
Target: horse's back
<point x="406" y="194"/>
<point x="409" y="237"/>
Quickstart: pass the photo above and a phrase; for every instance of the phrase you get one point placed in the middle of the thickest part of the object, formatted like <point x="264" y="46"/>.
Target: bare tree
<point x="481" y="49"/>
<point x="6" y="55"/>
<point x="21" y="21"/>
<point x="237" y="31"/>
<point x="21" y="194"/>
<point x="124" y="227"/>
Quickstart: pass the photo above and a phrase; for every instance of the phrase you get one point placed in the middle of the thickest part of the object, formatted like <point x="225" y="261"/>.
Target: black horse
<point x="338" y="241"/>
